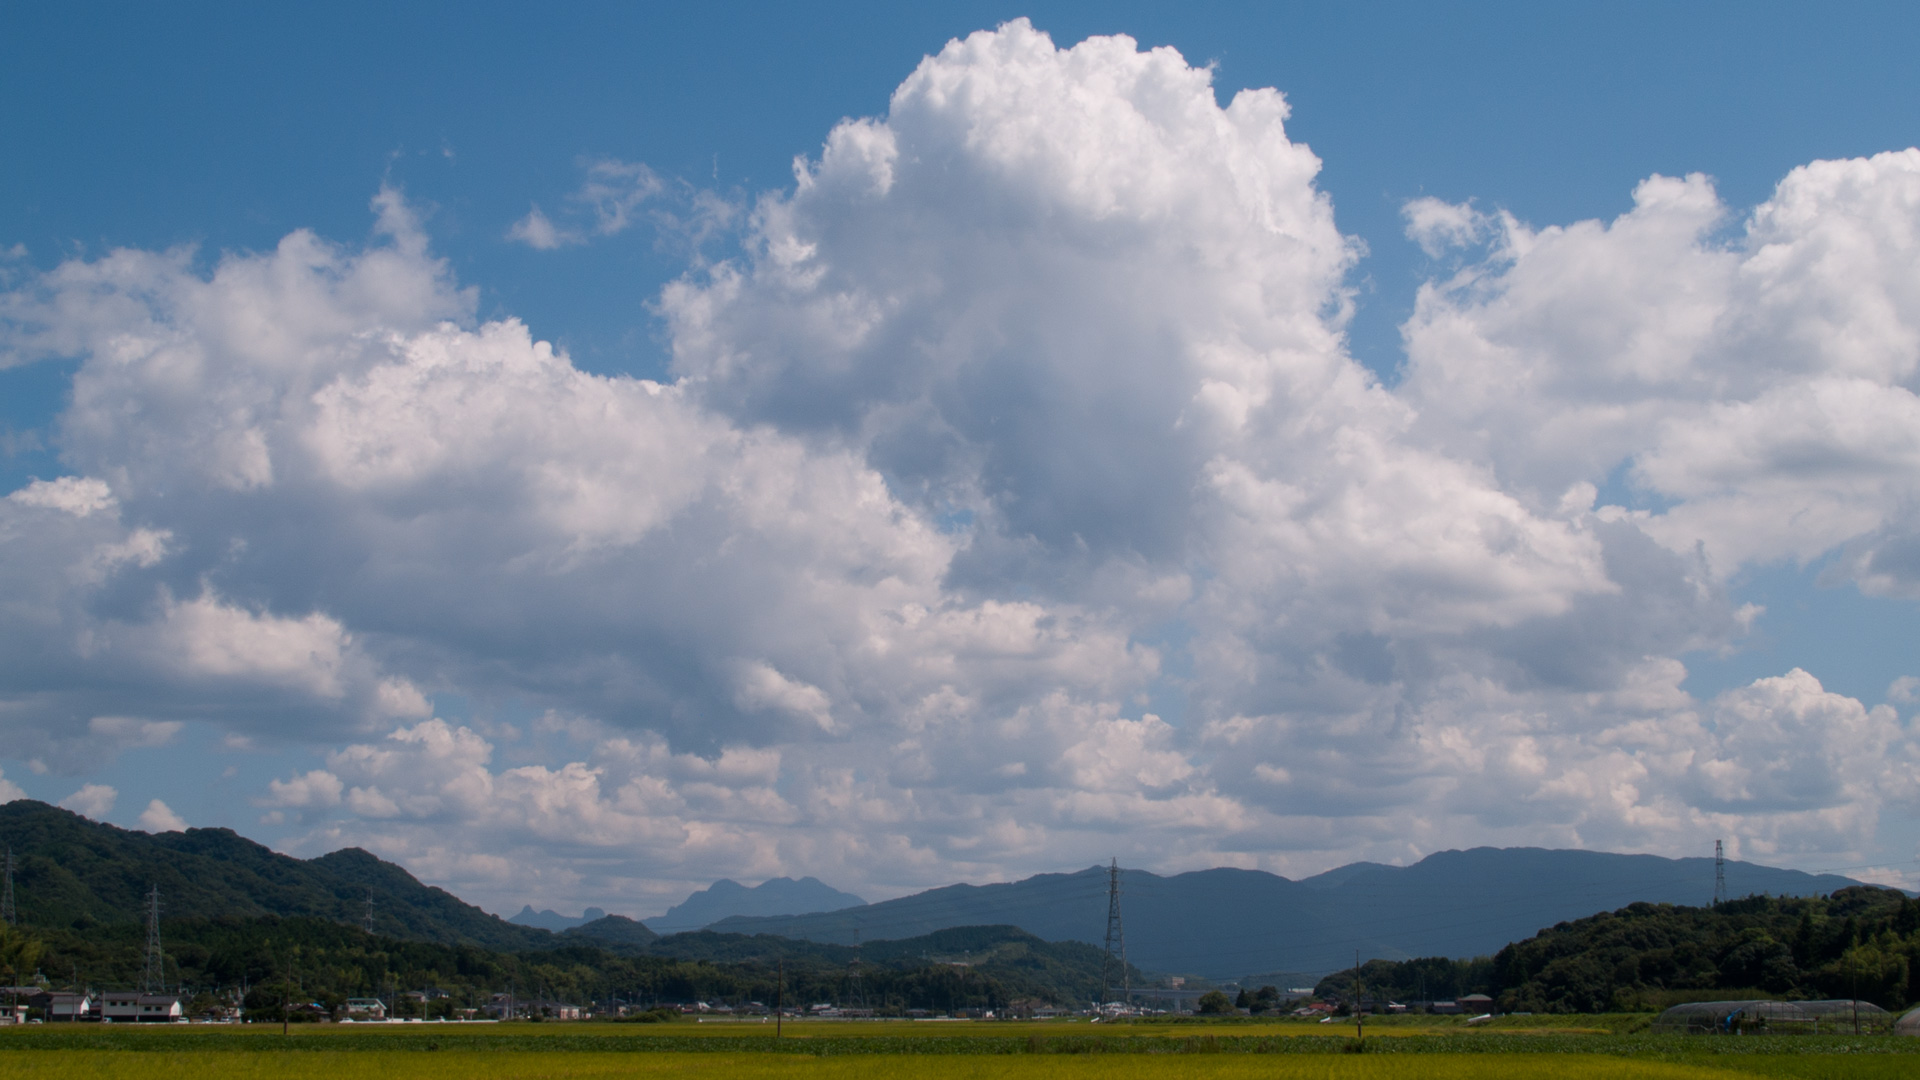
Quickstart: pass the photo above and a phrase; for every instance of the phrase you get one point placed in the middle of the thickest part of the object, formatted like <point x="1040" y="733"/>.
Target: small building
<point x="362" y="1010"/>
<point x="63" y="1006"/>
<point x="134" y="1007"/>
<point x="1474" y="1004"/>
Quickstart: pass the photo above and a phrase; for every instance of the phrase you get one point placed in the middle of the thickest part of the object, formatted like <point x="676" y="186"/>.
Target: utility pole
<point x="7" y="913"/>
<point x="153" y="979"/>
<point x="1719" y="874"/>
<point x="1359" y="999"/>
<point x="1116" y="954"/>
<point x="779" y="985"/>
<point x="1853" y="969"/>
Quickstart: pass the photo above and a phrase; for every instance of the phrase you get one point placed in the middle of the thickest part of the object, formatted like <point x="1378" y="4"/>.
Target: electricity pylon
<point x="1113" y="966"/>
<point x="154" y="978"/>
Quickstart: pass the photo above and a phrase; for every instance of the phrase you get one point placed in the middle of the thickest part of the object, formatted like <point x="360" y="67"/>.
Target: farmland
<point x="1529" y="1047"/>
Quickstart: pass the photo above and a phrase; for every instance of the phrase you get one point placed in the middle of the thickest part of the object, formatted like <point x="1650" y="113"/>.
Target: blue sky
<point x="1155" y="685"/>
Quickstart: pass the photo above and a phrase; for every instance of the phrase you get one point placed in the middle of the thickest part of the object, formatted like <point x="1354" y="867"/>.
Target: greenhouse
<point x="1908" y="1024"/>
<point x="1843" y="1016"/>
<point x="1737" y="1018"/>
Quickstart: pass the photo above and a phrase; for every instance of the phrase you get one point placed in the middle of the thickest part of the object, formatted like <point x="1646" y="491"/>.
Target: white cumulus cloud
<point x="159" y="817"/>
<point x="1026" y="407"/>
<point x="92" y="800"/>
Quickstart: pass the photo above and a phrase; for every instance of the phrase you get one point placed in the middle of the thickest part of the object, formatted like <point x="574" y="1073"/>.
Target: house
<point x="365" y="1009"/>
<point x="1475" y="1004"/>
<point x="134" y="1007"/>
<point x="62" y="1006"/>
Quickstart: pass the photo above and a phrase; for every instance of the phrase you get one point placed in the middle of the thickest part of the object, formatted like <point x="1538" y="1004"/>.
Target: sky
<point x="583" y="454"/>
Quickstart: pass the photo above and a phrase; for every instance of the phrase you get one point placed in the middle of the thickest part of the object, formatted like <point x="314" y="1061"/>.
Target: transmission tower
<point x="368" y="921"/>
<point x="1114" y="963"/>
<point x="154" y="978"/>
<point x="7" y="914"/>
<point x="856" y="990"/>
<point x="1719" y="874"/>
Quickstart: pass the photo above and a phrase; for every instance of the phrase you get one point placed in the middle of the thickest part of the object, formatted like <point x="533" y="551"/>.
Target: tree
<point x="19" y="953"/>
<point x="1215" y="1003"/>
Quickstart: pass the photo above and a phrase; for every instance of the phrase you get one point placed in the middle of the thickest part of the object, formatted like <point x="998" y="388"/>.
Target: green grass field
<point x="587" y="1065"/>
<point x="1602" y="1049"/>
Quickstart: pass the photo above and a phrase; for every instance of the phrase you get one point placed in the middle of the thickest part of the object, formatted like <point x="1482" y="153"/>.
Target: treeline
<point x="1859" y="942"/>
<point x="304" y="959"/>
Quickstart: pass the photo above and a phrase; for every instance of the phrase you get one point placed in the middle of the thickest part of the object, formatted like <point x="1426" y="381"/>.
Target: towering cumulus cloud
<point x="1027" y="406"/>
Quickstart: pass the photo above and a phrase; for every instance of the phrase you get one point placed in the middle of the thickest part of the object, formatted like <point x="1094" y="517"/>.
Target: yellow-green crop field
<point x="1607" y="1050"/>
<point x="591" y="1065"/>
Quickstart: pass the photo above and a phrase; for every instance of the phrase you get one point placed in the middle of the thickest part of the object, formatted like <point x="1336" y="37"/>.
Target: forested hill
<point x="1860" y="942"/>
<point x="69" y="869"/>
<point x="991" y="967"/>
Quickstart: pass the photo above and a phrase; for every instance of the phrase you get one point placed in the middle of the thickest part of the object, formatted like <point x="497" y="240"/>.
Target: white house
<point x="134" y="1007"/>
<point x="60" y="1006"/>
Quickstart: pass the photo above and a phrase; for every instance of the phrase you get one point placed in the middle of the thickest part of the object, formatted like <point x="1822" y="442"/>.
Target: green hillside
<point x="330" y="961"/>
<point x="1859" y="942"/>
<point x="70" y="871"/>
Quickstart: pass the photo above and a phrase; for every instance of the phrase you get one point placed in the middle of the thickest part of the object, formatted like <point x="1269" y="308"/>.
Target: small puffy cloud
<point x="9" y="791"/>
<point x="537" y="231"/>
<point x="317" y="789"/>
<point x="208" y="637"/>
<point x="1905" y="690"/>
<point x="158" y="818"/>
<point x="761" y="687"/>
<point x="92" y="800"/>
<point x="1438" y="226"/>
<point x="77" y="495"/>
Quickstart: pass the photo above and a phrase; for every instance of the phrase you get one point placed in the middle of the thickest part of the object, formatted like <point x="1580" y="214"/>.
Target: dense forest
<point x="68" y="867"/>
<point x="303" y="959"/>
<point x="1859" y="942"/>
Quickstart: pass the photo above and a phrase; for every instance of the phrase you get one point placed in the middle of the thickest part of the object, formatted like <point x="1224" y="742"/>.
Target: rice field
<point x="249" y="1064"/>
<point x="933" y="1052"/>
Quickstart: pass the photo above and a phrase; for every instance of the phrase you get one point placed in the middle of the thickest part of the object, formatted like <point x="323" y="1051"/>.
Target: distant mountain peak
<point x="727" y="898"/>
<point x="555" y="922"/>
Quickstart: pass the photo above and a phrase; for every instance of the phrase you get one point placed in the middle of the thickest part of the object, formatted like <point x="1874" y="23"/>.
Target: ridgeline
<point x="1859" y="942"/>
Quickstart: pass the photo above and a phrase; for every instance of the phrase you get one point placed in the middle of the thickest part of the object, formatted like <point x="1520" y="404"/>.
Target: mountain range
<point x="1220" y="923"/>
<point x="775" y="896"/>
<point x="1227" y="923"/>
